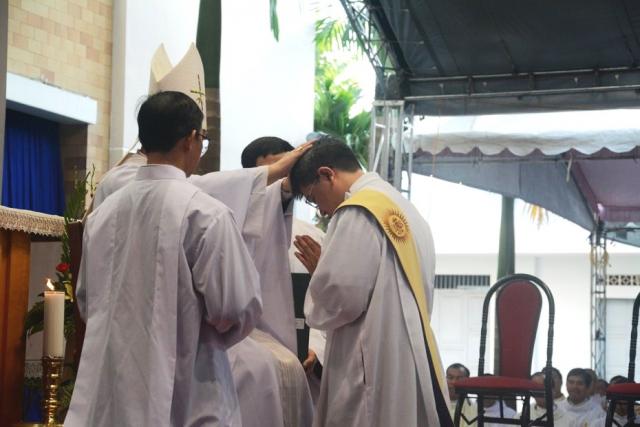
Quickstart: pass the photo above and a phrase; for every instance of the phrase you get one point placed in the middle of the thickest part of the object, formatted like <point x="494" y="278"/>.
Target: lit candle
<point x="53" y="322"/>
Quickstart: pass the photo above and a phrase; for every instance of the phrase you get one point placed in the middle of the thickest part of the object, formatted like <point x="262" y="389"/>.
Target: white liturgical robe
<point x="265" y="366"/>
<point x="166" y="284"/>
<point x="469" y="410"/>
<point x="317" y="339"/>
<point x="256" y="378"/>
<point x="376" y="370"/>
<point x="256" y="369"/>
<point x="272" y="262"/>
<point x="561" y="418"/>
<point x="587" y="413"/>
<point x="242" y="191"/>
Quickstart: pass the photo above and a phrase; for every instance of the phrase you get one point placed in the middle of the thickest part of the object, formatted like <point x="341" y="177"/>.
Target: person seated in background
<point x="492" y="408"/>
<point x="561" y="418"/>
<point x="620" y="412"/>
<point x="592" y="388"/>
<point x="579" y="403"/>
<point x="600" y="394"/>
<point x="557" y="386"/>
<point x="456" y="372"/>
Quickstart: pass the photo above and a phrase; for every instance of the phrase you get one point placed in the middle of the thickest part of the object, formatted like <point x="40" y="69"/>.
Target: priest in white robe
<point x="269" y="381"/>
<point x="454" y="373"/>
<point x="274" y="335"/>
<point x="561" y="418"/>
<point x="275" y="331"/>
<point x="277" y="294"/>
<point x="260" y="376"/>
<point x="166" y="285"/>
<point x="382" y="366"/>
<point x="587" y="412"/>
<point x="276" y="258"/>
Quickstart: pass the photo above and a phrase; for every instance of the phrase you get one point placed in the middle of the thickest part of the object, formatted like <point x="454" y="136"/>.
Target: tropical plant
<point x="334" y="102"/>
<point x="335" y="96"/>
<point x="336" y="34"/>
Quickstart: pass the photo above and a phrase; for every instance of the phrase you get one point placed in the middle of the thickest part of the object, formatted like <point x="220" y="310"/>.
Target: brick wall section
<point x="67" y="43"/>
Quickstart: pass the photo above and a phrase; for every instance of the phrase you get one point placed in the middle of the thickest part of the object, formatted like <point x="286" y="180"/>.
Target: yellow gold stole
<point x="396" y="227"/>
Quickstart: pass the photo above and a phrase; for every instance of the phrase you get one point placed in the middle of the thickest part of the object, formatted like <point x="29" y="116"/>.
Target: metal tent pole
<point x="599" y="261"/>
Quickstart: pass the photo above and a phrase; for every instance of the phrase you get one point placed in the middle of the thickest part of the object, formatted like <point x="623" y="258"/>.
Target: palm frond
<point x="537" y="214"/>
<point x="273" y="19"/>
<point x="336" y="34"/>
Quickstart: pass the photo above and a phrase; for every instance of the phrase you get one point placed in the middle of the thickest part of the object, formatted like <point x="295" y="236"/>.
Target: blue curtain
<point x="32" y="171"/>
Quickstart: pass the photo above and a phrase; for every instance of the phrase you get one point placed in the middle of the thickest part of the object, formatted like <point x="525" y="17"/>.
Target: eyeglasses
<point x="205" y="141"/>
<point x="308" y="198"/>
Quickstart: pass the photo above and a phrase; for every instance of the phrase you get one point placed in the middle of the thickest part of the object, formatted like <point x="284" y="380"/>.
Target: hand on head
<point x="281" y="168"/>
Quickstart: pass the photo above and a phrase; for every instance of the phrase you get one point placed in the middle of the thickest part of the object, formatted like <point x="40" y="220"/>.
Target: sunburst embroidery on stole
<point x="397" y="226"/>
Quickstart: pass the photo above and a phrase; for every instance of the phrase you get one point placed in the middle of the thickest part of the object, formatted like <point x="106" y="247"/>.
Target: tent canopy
<point x="478" y="57"/>
<point x="470" y="57"/>
<point x="584" y="166"/>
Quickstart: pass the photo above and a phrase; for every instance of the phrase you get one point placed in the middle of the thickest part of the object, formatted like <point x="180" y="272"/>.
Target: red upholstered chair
<point x="628" y="393"/>
<point x="518" y="306"/>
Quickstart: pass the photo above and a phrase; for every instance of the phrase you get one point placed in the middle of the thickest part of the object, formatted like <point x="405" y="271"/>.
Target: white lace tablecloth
<point x="31" y="222"/>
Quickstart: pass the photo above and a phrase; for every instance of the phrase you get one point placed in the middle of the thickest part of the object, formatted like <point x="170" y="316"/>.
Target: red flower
<point x="63" y="267"/>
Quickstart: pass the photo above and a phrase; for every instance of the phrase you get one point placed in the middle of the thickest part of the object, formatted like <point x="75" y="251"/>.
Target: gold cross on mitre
<point x="199" y="92"/>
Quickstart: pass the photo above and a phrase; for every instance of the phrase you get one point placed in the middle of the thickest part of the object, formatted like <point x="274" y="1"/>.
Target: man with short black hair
<point x="166" y="284"/>
<point x="578" y="402"/>
<point x="561" y="418"/>
<point x="271" y="383"/>
<point x="264" y="151"/>
<point x="456" y="372"/>
<point x="620" y="417"/>
<point x="371" y="290"/>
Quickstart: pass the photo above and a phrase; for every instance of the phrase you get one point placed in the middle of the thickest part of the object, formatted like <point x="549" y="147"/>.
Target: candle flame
<point x="50" y="285"/>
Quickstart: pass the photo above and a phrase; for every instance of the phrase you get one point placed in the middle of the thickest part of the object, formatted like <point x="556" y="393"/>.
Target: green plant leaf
<point x="273" y="18"/>
<point x="34" y="321"/>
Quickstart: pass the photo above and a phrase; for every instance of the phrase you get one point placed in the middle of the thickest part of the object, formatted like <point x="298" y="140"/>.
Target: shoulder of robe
<point x="353" y="218"/>
<point x="204" y="204"/>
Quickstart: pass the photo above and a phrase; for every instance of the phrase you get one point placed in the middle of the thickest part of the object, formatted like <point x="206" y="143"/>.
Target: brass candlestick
<point x="51" y="376"/>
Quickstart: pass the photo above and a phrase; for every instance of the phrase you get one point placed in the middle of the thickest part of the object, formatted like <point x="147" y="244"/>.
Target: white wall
<point x="266" y="86"/>
<point x="568" y="277"/>
<point x="139" y="26"/>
